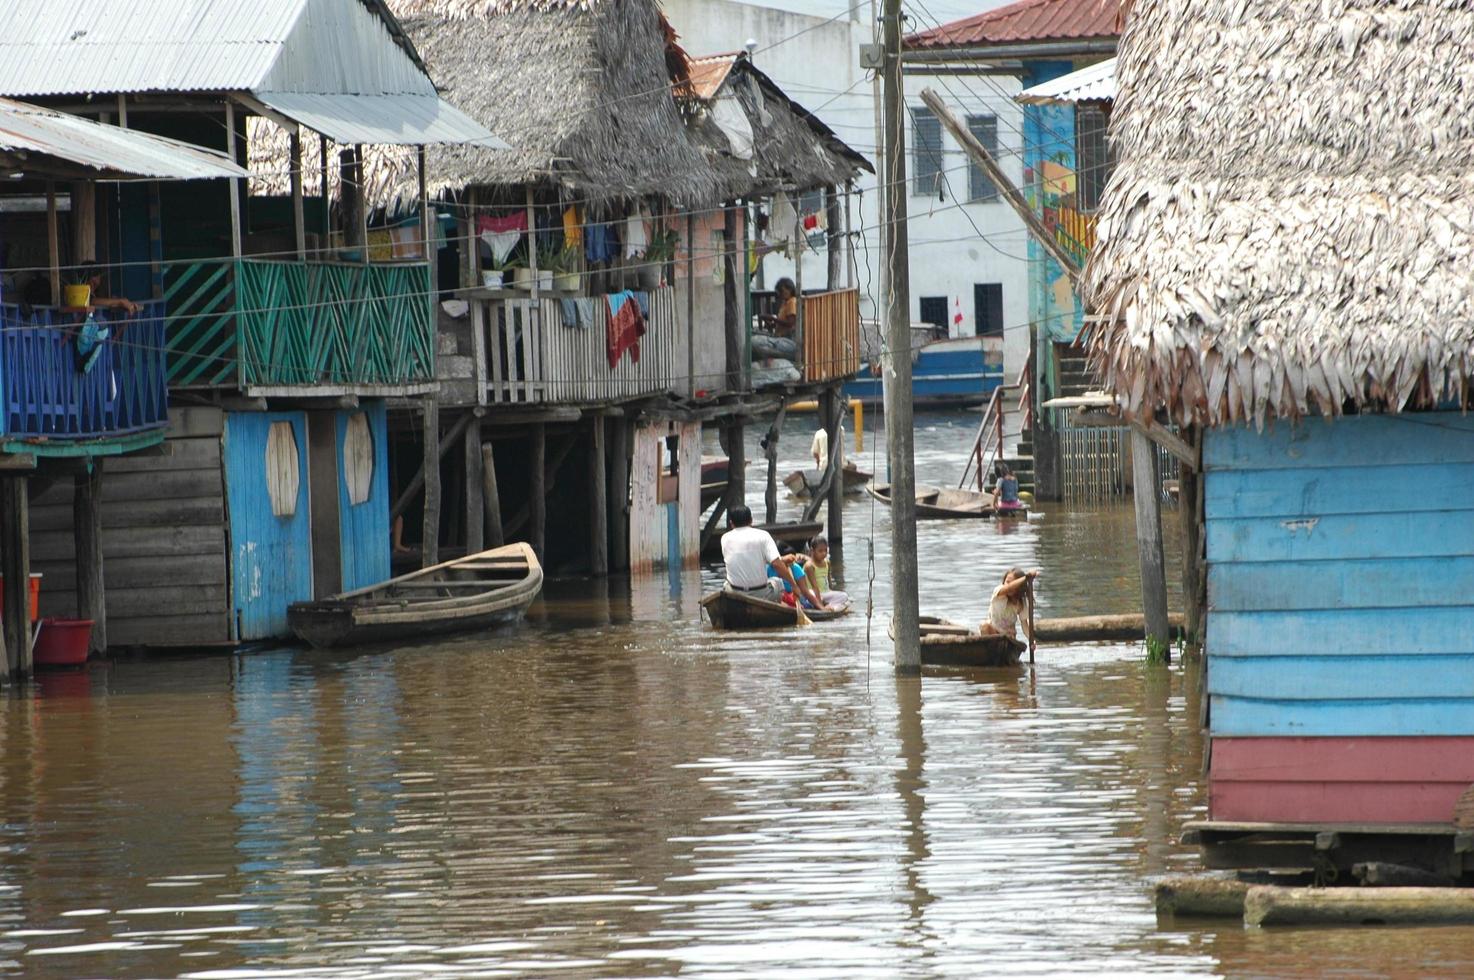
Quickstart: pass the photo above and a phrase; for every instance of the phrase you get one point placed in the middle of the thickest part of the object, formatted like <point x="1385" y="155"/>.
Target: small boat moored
<point x="945" y="503"/>
<point x="490" y="588"/>
<point x="948" y="644"/>
<point x="730" y="610"/>
<point x="803" y="483"/>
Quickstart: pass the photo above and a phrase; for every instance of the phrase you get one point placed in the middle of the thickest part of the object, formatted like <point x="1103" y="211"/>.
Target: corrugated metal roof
<point x="110" y="150"/>
<point x="1025" y="22"/>
<point x="400" y="120"/>
<point x="75" y="47"/>
<point x="1094" y="84"/>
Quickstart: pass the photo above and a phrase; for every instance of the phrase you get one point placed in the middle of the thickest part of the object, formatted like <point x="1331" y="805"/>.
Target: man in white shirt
<point x="749" y="552"/>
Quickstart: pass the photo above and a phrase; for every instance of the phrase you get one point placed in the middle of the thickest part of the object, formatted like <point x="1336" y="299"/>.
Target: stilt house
<point x="1282" y="271"/>
<point x="285" y="330"/>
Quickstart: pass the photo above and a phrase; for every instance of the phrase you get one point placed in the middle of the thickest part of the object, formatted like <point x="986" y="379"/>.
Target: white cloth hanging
<point x="636" y="234"/>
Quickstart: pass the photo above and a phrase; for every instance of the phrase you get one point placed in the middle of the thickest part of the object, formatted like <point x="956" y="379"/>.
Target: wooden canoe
<point x="803" y="483"/>
<point x="797" y="533"/>
<point x="729" y="610"/>
<point x="948" y="644"/>
<point x="944" y="503"/>
<point x="488" y="589"/>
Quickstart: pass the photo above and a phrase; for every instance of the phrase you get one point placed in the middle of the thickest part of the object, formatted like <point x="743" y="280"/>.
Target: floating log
<point x="1130" y="626"/>
<point x="1200" y="895"/>
<point x="1266" y="905"/>
<point x="1385" y="874"/>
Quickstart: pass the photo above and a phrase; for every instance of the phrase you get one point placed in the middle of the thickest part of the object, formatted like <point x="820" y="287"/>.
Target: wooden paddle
<point x="803" y="619"/>
<point x="1030" y="594"/>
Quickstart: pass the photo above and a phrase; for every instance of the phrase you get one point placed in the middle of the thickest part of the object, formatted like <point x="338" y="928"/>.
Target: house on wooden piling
<point x="286" y="328"/>
<point x="559" y="396"/>
<point x="1282" y="271"/>
<point x="83" y="375"/>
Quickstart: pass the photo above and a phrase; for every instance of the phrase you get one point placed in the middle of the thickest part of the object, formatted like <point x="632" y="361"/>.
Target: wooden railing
<point x="256" y="324"/>
<point x="831" y="335"/>
<point x="46" y="393"/>
<point x="987" y="447"/>
<point x="529" y="354"/>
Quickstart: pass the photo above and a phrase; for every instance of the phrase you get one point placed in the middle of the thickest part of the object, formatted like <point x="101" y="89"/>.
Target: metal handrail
<point x="990" y="430"/>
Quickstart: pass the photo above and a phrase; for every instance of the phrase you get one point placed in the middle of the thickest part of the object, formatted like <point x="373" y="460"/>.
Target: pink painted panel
<point x="1339" y="780"/>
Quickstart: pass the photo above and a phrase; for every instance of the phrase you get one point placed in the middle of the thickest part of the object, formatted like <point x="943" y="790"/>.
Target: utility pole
<point x="896" y="376"/>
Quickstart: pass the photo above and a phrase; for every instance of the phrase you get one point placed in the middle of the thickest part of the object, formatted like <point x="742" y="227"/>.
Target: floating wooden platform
<point x="1072" y="629"/>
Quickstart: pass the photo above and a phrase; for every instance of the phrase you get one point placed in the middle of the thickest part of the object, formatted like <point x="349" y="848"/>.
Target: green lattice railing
<point x="257" y="323"/>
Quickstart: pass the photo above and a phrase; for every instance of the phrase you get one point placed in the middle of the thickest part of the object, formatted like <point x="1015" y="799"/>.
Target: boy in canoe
<point x="753" y="562"/>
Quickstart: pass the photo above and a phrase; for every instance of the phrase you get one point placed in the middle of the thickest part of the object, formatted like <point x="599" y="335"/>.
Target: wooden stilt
<point x="53" y="243"/>
<point x="418" y="480"/>
<point x="599" y="502"/>
<point x="619" y="496"/>
<point x="538" y="491"/>
<point x="475" y="483"/>
<point x="735" y="436"/>
<point x="15" y="565"/>
<point x="835" y="416"/>
<point x="770" y="450"/>
<point x="87" y="537"/>
<point x="834" y="219"/>
<point x="1147" y="490"/>
<point x="831" y="479"/>
<point x="430" y="529"/>
<point x="733" y="302"/>
<point x="492" y="497"/>
<point x="299" y="221"/>
<point x="1187" y="512"/>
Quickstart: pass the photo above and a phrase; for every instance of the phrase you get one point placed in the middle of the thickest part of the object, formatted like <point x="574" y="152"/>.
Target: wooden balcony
<point x="530" y="356"/>
<point x="48" y="399"/>
<point x="831" y="335"/>
<point x="269" y="326"/>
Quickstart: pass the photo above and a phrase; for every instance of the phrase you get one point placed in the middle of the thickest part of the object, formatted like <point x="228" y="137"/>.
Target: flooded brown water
<point x="616" y="790"/>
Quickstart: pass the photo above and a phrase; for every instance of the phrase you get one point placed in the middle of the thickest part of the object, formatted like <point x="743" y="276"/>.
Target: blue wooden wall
<point x="364" y="528"/>
<point x="271" y="556"/>
<point x="1341" y="577"/>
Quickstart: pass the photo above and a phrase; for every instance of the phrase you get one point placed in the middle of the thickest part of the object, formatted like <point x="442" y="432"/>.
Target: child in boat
<point x="801" y="589"/>
<point x="1010" y="600"/>
<point x="816" y="570"/>
<point x="1005" y="490"/>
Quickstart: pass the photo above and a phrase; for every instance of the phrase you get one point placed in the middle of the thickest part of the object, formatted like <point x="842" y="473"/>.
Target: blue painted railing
<point x="44" y="392"/>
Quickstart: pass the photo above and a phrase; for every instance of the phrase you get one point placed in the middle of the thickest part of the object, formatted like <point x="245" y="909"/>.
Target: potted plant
<point x="494" y="273"/>
<point x="565" y="266"/>
<point x="662" y="249"/>
<point x="77" y="291"/>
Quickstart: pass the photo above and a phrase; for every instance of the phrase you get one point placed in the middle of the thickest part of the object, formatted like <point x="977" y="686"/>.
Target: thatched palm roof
<point x="1290" y="224"/>
<point x="792" y="148"/>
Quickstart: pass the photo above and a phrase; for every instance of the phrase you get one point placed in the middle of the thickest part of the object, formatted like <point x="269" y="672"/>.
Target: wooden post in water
<point x="430" y="527"/>
<point x="537" y="459"/>
<point x="834" y="416"/>
<point x="491" y="497"/>
<point x="618" y="493"/>
<point x="770" y="450"/>
<point x="475" y="487"/>
<point x="734" y="439"/>
<point x="87" y="539"/>
<point x="598" y="501"/>
<point x="15" y="565"/>
<point x="1147" y="491"/>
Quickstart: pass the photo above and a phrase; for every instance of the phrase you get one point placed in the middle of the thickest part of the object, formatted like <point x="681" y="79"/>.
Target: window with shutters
<point x="358" y="458"/>
<point x="282" y="477"/>
<point x="926" y="152"/>
<point x="985" y="130"/>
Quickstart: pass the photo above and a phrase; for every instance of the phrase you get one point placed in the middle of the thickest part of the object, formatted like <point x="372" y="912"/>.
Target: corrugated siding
<point x="163" y="539"/>
<point x="364" y="527"/>
<point x="271" y="555"/>
<point x="1341" y="607"/>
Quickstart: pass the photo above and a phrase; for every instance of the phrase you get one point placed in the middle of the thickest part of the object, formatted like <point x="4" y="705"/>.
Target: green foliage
<point x="1158" y="650"/>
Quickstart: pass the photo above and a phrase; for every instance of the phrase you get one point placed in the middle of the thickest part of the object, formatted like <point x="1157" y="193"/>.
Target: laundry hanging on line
<point x="626" y="327"/>
<point x="501" y="233"/>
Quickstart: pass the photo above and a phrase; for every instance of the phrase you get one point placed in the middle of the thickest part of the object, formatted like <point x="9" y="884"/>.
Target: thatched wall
<point x="1290" y="224"/>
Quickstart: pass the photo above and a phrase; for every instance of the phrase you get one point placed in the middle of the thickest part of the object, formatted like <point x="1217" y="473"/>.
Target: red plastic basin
<point x="62" y="643"/>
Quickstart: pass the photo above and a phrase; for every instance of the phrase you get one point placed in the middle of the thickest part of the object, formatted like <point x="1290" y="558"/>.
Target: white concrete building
<point x="969" y="266"/>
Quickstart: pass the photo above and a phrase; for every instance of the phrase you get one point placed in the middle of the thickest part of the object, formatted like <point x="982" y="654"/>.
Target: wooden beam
<point x="1192" y="546"/>
<point x="15" y="565"/>
<point x="598" y="502"/>
<point x="491" y="497"/>
<point x="430" y="528"/>
<point x="299" y="218"/>
<point x="835" y="510"/>
<point x="1147" y="493"/>
<point x="1010" y="194"/>
<point x="475" y="487"/>
<point x="87" y="541"/>
<point x="734" y="439"/>
<point x="770" y="450"/>
<point x="235" y="182"/>
<point x="418" y="480"/>
<point x="619" y="496"/>
<point x="1170" y="441"/>
<point x="53" y="243"/>
<point x="538" y="490"/>
<point x="834" y="236"/>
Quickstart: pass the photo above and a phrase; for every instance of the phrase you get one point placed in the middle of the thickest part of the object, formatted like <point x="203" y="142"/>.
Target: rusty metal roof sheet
<point x="110" y="150"/>
<point x="709" y="72"/>
<point x="1025" y="22"/>
<point x="1096" y="83"/>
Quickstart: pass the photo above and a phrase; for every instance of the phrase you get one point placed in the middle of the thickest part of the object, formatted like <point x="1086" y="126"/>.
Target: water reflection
<point x="617" y="790"/>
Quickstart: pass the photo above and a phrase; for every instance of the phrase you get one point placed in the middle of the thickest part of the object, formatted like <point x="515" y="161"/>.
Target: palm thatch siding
<point x="792" y="148"/>
<point x="1290" y="224"/>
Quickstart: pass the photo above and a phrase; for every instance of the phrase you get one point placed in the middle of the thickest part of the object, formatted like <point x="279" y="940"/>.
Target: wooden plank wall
<point x="652" y="522"/>
<point x="1340" y="631"/>
<point x="164" y="541"/>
